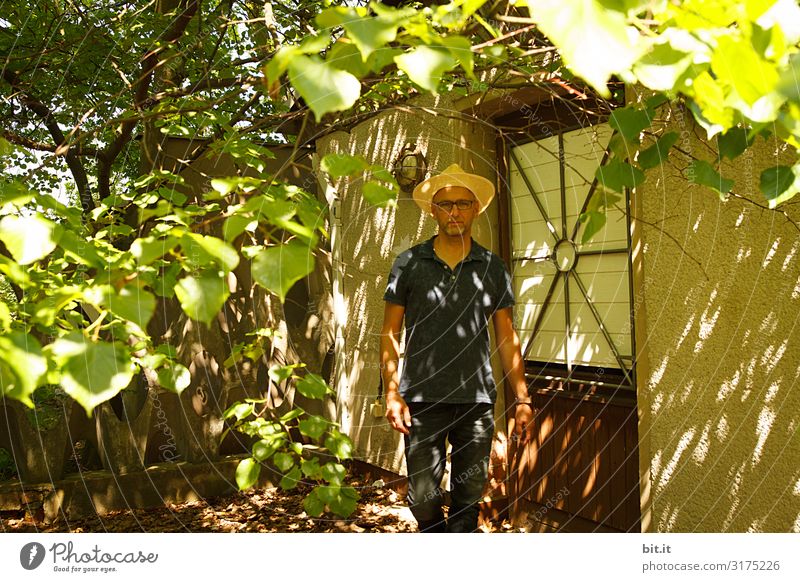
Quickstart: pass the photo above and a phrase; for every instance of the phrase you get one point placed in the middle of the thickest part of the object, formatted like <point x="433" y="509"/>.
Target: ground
<point x="380" y="510"/>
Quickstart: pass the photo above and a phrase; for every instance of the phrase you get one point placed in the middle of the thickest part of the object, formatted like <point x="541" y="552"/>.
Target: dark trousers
<point x="469" y="428"/>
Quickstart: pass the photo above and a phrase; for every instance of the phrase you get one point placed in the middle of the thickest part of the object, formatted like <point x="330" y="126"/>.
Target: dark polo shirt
<point x="446" y="317"/>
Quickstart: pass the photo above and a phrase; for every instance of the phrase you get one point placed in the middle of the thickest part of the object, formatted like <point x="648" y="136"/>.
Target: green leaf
<point x="461" y="48"/>
<point x="733" y="142"/>
<point x="290" y="480"/>
<point x="709" y="105"/>
<point x="166" y="283"/>
<point x="313" y="427"/>
<point x="236" y="225"/>
<point x="657" y="153"/>
<point x="333" y="473"/>
<point x="174" y="377"/>
<point x="91" y="372"/>
<point x="346" y="56"/>
<point x="14" y="193"/>
<point x="280" y="374"/>
<point x="278" y="268"/>
<point x="292" y="414"/>
<point x="313" y="386"/>
<point x="202" y="297"/>
<point x="595" y="220"/>
<point x="339" y="444"/>
<point x="341" y="500"/>
<point x="132" y="304"/>
<point x="594" y="42"/>
<point x="28" y="238"/>
<point x="5" y="317"/>
<point x="324" y="87"/>
<point x="367" y="32"/>
<point x="780" y="183"/>
<point x="200" y="250"/>
<point x="313" y="505"/>
<point x="630" y="121"/>
<point x="377" y="194"/>
<point x="425" y="66"/>
<point x="338" y="165"/>
<point x="265" y="448"/>
<point x="22" y="366"/>
<point x="280" y="62"/>
<point x="283" y="461"/>
<point x="148" y="249"/>
<point x="736" y="63"/>
<point x="661" y="67"/>
<point x="79" y="249"/>
<point x="617" y="176"/>
<point x="247" y="473"/>
<point x="240" y="410"/>
<point x="702" y="173"/>
<point x="311" y="468"/>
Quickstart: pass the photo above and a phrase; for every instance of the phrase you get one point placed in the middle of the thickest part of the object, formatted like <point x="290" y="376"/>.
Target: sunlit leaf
<point x="247" y="473"/>
<point x="312" y="386"/>
<point x="377" y="194"/>
<point x="278" y="268"/>
<point x="425" y="66"/>
<point x="313" y="426"/>
<point x="28" y="238"/>
<point x="595" y="42"/>
<point x="91" y="372"/>
<point x="202" y="297"/>
<point x="174" y="377"/>
<point x="324" y="87"/>
<point x="22" y="365"/>
<point x="338" y="165"/>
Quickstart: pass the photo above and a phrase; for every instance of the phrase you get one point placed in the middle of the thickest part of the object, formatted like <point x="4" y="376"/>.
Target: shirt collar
<point x="476" y="251"/>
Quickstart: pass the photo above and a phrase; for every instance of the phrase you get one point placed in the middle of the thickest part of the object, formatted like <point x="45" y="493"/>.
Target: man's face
<point x="453" y="220"/>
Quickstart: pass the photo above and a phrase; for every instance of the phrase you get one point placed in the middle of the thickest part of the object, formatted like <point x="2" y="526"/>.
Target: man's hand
<point x="523" y="423"/>
<point x="397" y="412"/>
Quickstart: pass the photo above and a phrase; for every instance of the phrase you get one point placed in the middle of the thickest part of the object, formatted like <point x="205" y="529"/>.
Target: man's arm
<point x="397" y="412"/>
<point x="508" y="346"/>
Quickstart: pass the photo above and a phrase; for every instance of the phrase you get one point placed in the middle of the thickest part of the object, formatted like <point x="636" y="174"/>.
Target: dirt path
<point x="380" y="510"/>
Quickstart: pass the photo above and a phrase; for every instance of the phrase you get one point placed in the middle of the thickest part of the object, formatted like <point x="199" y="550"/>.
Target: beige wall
<point x="717" y="301"/>
<point x="369" y="238"/>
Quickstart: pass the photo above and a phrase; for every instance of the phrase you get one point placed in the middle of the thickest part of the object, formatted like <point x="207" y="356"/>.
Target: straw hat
<point x="453" y="175"/>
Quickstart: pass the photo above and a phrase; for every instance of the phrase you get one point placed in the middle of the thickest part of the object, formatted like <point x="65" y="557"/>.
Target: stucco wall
<point x="370" y="238"/>
<point x="719" y="349"/>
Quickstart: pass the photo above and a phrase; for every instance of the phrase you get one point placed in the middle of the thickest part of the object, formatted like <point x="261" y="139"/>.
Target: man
<point x="447" y="289"/>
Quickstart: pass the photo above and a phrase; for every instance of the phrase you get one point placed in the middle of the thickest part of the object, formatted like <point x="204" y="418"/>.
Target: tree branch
<point x="150" y="63"/>
<point x="50" y="122"/>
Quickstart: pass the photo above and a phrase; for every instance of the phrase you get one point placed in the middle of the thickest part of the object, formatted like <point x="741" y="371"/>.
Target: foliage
<point x="291" y="443"/>
<point x="735" y="65"/>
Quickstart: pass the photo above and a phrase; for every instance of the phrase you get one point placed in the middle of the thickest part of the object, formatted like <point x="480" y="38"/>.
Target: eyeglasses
<point x="447" y="205"/>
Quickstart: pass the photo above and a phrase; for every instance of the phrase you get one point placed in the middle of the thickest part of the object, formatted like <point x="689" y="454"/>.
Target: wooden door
<point x="574" y="317"/>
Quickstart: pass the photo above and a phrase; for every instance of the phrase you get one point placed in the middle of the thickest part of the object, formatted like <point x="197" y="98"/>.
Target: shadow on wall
<point x="724" y="403"/>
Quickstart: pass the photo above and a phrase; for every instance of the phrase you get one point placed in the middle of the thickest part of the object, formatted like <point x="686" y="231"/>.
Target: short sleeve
<point x="396" y="288"/>
<point x="505" y="288"/>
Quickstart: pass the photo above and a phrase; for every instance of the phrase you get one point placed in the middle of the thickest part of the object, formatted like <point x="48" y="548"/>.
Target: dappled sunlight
<point x="771" y="253"/>
<point x="683" y="444"/>
<point x="766" y="418"/>
<point x="700" y="452"/>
